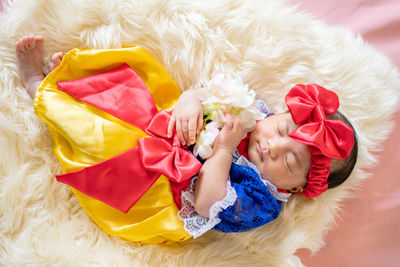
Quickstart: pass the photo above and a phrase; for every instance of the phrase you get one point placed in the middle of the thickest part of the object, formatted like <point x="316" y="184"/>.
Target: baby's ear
<point x="296" y="190"/>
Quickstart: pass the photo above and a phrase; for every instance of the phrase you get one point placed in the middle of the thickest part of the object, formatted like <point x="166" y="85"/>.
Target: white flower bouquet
<point x="220" y="95"/>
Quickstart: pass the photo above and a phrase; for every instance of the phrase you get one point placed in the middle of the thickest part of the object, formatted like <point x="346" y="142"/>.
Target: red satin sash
<point x="243" y="146"/>
<point x="121" y="180"/>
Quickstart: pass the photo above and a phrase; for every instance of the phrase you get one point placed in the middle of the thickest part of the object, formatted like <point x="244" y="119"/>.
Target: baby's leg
<point x="29" y="60"/>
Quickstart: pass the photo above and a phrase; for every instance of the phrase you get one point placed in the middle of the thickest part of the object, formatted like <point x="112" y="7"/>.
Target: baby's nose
<point x="275" y="147"/>
<point x="272" y="149"/>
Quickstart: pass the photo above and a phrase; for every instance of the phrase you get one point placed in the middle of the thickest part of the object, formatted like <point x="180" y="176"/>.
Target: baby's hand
<point x="187" y="118"/>
<point x="230" y="135"/>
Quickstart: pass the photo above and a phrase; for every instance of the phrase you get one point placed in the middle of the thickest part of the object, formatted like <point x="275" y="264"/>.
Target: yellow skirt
<point x="84" y="135"/>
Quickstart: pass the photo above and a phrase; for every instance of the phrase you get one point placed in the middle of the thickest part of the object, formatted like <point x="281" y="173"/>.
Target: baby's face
<point x="280" y="159"/>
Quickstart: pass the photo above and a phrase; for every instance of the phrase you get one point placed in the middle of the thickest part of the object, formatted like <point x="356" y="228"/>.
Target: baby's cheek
<point x="266" y="172"/>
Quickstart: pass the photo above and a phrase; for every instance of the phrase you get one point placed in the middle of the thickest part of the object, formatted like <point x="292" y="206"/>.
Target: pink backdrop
<point x="367" y="234"/>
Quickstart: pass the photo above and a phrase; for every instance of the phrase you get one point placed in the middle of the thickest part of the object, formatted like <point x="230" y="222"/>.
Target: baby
<point x="308" y="149"/>
<point x="281" y="159"/>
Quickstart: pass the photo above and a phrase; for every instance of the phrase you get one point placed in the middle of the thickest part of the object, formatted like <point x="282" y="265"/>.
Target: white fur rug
<point x="269" y="44"/>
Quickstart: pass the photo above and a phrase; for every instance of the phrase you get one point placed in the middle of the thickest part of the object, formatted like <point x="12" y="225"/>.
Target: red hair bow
<point x="309" y="105"/>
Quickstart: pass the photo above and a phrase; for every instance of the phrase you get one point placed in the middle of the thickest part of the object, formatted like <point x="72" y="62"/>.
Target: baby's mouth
<point x="260" y="151"/>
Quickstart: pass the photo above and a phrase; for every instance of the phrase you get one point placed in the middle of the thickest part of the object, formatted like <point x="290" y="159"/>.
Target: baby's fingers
<point x="199" y="123"/>
<point x="237" y="125"/>
<point x="192" y="130"/>
<point x="179" y="131"/>
<point x="171" y="126"/>
<point x="185" y="131"/>
<point x="228" y="122"/>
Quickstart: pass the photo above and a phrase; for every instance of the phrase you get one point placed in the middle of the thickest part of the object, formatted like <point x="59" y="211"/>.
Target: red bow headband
<point x="309" y="105"/>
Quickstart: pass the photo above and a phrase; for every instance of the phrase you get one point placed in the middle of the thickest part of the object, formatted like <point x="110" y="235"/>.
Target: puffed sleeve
<point x="254" y="206"/>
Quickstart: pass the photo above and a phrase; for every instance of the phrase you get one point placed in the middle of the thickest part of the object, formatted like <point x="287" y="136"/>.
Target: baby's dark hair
<point x="345" y="166"/>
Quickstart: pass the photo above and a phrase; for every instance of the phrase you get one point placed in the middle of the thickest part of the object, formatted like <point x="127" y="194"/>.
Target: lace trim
<point x="272" y="188"/>
<point x="195" y="224"/>
<point x="263" y="107"/>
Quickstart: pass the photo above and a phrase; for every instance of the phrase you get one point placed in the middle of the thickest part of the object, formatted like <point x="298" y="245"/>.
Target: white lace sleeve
<point x="194" y="223"/>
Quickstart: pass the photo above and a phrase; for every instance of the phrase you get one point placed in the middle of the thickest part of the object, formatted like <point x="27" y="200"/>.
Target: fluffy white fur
<point x="266" y="42"/>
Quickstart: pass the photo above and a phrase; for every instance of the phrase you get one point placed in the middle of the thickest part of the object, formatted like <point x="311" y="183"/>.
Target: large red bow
<point x="121" y="181"/>
<point x="309" y="105"/>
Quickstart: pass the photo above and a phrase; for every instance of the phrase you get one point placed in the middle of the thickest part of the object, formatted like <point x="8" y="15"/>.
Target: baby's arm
<point x="187" y="118"/>
<point x="213" y="176"/>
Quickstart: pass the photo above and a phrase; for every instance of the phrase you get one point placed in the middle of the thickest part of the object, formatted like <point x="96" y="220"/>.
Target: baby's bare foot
<point x="55" y="60"/>
<point x="29" y="61"/>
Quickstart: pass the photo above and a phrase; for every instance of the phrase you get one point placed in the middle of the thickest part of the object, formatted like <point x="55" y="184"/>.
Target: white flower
<point x="231" y="91"/>
<point x="224" y="94"/>
<point x="205" y="140"/>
